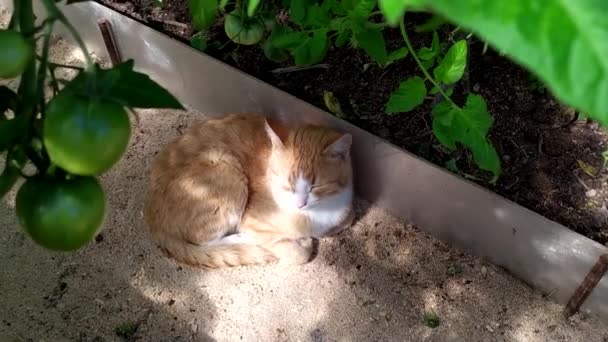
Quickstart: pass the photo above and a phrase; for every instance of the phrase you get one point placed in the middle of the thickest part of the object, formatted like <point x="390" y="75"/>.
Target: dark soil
<point x="552" y="162"/>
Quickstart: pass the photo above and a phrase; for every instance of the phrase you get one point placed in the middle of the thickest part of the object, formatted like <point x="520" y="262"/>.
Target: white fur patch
<point x="233" y="239"/>
<point x="329" y="212"/>
<point x="302" y="192"/>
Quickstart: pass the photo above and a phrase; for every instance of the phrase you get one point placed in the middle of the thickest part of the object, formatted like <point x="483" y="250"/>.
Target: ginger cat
<point x="240" y="191"/>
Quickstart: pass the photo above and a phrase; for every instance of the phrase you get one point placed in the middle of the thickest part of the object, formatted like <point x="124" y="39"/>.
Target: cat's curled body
<point x="240" y="191"/>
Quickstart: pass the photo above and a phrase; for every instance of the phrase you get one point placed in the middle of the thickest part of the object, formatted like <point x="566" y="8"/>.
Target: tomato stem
<point x="55" y="13"/>
<point x="27" y="86"/>
<point x="424" y="71"/>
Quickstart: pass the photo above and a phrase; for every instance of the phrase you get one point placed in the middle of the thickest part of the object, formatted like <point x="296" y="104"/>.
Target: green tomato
<point x="62" y="215"/>
<point x="243" y="30"/>
<point x="15" y="53"/>
<point x="85" y="136"/>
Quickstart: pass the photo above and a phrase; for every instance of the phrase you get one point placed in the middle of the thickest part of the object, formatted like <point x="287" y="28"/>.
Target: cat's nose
<point x="301" y="201"/>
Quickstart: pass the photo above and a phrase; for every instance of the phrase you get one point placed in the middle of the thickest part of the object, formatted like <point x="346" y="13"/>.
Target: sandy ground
<point x="381" y="280"/>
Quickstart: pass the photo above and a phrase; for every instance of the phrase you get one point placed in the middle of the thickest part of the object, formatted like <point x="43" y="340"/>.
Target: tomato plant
<point x="15" y="54"/>
<point x="61" y="214"/>
<point x="71" y="138"/>
<point x="243" y="30"/>
<point x="552" y="38"/>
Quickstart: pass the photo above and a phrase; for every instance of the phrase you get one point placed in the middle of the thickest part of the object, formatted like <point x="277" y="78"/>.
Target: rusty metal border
<point x="541" y="252"/>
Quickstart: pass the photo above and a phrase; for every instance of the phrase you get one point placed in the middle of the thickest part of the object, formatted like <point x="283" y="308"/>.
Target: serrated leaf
<point x="408" y="96"/>
<point x="398" y="54"/>
<point x="273" y="53"/>
<point x="343" y="37"/>
<point x="285" y="38"/>
<point x="123" y="85"/>
<point x="332" y="103"/>
<point x="372" y="41"/>
<point x="564" y="42"/>
<point x="313" y="49"/>
<point x="432" y="24"/>
<point x="428" y="64"/>
<point x="252" y="6"/>
<point x="362" y="10"/>
<point x="469" y="126"/>
<point x="203" y="13"/>
<point x="426" y="53"/>
<point x="393" y="10"/>
<point x="316" y="16"/>
<point x="298" y="9"/>
<point x="199" y="41"/>
<point x="452" y="66"/>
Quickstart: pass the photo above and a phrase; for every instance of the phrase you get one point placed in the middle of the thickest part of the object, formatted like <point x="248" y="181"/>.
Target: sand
<point x="381" y="280"/>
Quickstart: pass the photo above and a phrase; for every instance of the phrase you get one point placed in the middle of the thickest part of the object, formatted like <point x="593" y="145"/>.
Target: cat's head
<point x="310" y="167"/>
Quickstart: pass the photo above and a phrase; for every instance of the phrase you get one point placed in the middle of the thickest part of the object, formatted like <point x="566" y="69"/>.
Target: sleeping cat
<point x="241" y="190"/>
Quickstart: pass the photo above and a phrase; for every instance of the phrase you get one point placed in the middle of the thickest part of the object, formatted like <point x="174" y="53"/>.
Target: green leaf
<point x="273" y="53"/>
<point x="285" y="38"/>
<point x="10" y="131"/>
<point x="451" y="68"/>
<point x="199" y="41"/>
<point x="362" y="10"/>
<point x="448" y="91"/>
<point x="432" y="24"/>
<point x="372" y="41"/>
<point x="316" y="16"/>
<point x="426" y="53"/>
<point x="396" y="55"/>
<point x="124" y="85"/>
<point x="8" y="100"/>
<point x="343" y="37"/>
<point x="203" y="13"/>
<point x="408" y="96"/>
<point x="313" y="49"/>
<point x="252" y="6"/>
<point x="469" y="126"/>
<point x="332" y="103"/>
<point x="222" y="4"/>
<point x="298" y="9"/>
<point x="393" y="10"/>
<point x="563" y="42"/>
<point x="428" y="64"/>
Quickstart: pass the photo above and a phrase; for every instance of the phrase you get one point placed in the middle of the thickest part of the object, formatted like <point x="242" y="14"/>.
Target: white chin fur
<point x="325" y="214"/>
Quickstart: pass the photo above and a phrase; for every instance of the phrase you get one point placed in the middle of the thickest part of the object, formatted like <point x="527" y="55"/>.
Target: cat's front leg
<point x="292" y="251"/>
<point x="346" y="223"/>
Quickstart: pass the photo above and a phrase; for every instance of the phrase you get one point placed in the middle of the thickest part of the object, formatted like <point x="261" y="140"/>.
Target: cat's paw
<point x="306" y="243"/>
<point x="294" y="252"/>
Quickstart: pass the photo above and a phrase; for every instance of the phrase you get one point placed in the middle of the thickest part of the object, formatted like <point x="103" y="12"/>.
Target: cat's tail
<point x="215" y="255"/>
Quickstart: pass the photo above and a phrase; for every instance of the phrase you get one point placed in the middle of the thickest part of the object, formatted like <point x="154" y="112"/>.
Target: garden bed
<point x="382" y="279"/>
<point x="552" y="163"/>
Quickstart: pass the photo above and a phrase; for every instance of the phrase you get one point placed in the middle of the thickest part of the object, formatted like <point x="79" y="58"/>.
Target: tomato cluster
<point x="83" y="137"/>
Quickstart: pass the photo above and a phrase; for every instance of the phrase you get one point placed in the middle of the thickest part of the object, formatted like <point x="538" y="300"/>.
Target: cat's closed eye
<point x="322" y="185"/>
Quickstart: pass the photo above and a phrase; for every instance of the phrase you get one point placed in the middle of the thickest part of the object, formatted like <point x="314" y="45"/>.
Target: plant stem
<point x="27" y="86"/>
<point x="47" y="30"/>
<point x="54" y="12"/>
<point x="424" y="71"/>
<point x="14" y="23"/>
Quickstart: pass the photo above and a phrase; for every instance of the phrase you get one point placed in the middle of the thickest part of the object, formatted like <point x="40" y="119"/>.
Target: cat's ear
<point x="340" y="149"/>
<point x="273" y="135"/>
